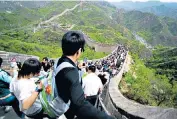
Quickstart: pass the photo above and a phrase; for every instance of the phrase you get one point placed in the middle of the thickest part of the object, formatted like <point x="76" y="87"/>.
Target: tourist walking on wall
<point x="92" y="85"/>
<point x="45" y="64"/>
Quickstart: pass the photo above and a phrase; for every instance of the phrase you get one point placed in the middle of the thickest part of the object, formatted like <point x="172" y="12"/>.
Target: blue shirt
<point x="5" y="80"/>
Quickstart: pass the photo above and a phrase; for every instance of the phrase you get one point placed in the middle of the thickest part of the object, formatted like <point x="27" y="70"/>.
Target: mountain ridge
<point x="156" y="7"/>
<point x="154" y="29"/>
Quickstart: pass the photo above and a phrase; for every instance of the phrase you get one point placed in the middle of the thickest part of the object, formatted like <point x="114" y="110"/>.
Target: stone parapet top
<point x="8" y="56"/>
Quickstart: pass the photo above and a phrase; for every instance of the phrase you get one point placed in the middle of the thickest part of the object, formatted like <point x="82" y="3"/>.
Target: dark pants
<point x="92" y="99"/>
<point x="12" y="101"/>
<point x="40" y="115"/>
<point x="70" y="114"/>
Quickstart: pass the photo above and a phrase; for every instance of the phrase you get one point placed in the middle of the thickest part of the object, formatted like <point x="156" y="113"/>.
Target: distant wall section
<point x="9" y="56"/>
<point x="99" y="47"/>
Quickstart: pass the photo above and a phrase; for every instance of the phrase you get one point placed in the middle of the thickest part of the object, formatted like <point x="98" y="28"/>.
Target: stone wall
<point x="99" y="47"/>
<point x="128" y="109"/>
<point x="9" y="56"/>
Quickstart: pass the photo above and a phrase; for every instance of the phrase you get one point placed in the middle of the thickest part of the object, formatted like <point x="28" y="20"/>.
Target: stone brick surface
<point x="8" y="56"/>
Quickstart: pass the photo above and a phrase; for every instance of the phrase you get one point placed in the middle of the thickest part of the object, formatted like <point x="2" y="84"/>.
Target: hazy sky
<point x="143" y="0"/>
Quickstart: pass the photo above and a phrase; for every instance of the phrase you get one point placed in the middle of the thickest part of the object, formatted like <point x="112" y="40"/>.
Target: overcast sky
<point x="143" y="0"/>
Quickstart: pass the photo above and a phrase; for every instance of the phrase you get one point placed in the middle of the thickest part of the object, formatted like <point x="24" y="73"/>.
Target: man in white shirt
<point x="92" y="85"/>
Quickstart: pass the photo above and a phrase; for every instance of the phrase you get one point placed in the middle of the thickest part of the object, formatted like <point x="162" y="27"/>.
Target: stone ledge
<point x="7" y="56"/>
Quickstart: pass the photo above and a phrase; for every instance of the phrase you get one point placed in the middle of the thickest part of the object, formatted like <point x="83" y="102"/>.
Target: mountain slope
<point x="165" y="62"/>
<point x="154" y="29"/>
<point x="154" y="7"/>
<point x="95" y="19"/>
<point x="129" y="5"/>
<point x="161" y="10"/>
<point x="15" y="14"/>
<point x="19" y="35"/>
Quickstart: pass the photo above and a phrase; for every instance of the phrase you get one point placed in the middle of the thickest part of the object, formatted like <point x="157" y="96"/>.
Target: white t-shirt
<point x="23" y="89"/>
<point x="15" y="73"/>
<point x="97" y="72"/>
<point x="107" y="75"/>
<point x="114" y="71"/>
<point x="91" y="84"/>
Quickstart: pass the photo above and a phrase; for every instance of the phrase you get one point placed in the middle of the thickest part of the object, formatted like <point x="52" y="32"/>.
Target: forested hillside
<point x="164" y="60"/>
<point x="154" y="29"/>
<point x="20" y="24"/>
<point x="148" y="86"/>
<point x="158" y="8"/>
<point x="161" y="10"/>
<point x="18" y="21"/>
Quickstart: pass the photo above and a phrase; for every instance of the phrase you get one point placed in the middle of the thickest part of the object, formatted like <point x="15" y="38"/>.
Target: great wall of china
<point x="113" y="102"/>
<point x="98" y="47"/>
<point x="10" y="56"/>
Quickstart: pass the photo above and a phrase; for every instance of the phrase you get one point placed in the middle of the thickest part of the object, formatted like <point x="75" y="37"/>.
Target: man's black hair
<point x="45" y="58"/>
<point x="103" y="79"/>
<point x="30" y="66"/>
<point x="72" y="41"/>
<point x="92" y="68"/>
<point x="1" y="61"/>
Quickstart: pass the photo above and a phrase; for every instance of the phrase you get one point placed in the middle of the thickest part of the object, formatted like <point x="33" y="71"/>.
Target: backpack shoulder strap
<point x="55" y="72"/>
<point x="62" y="66"/>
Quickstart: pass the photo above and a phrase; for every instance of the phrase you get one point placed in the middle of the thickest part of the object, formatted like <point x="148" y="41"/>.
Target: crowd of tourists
<point x="59" y="88"/>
